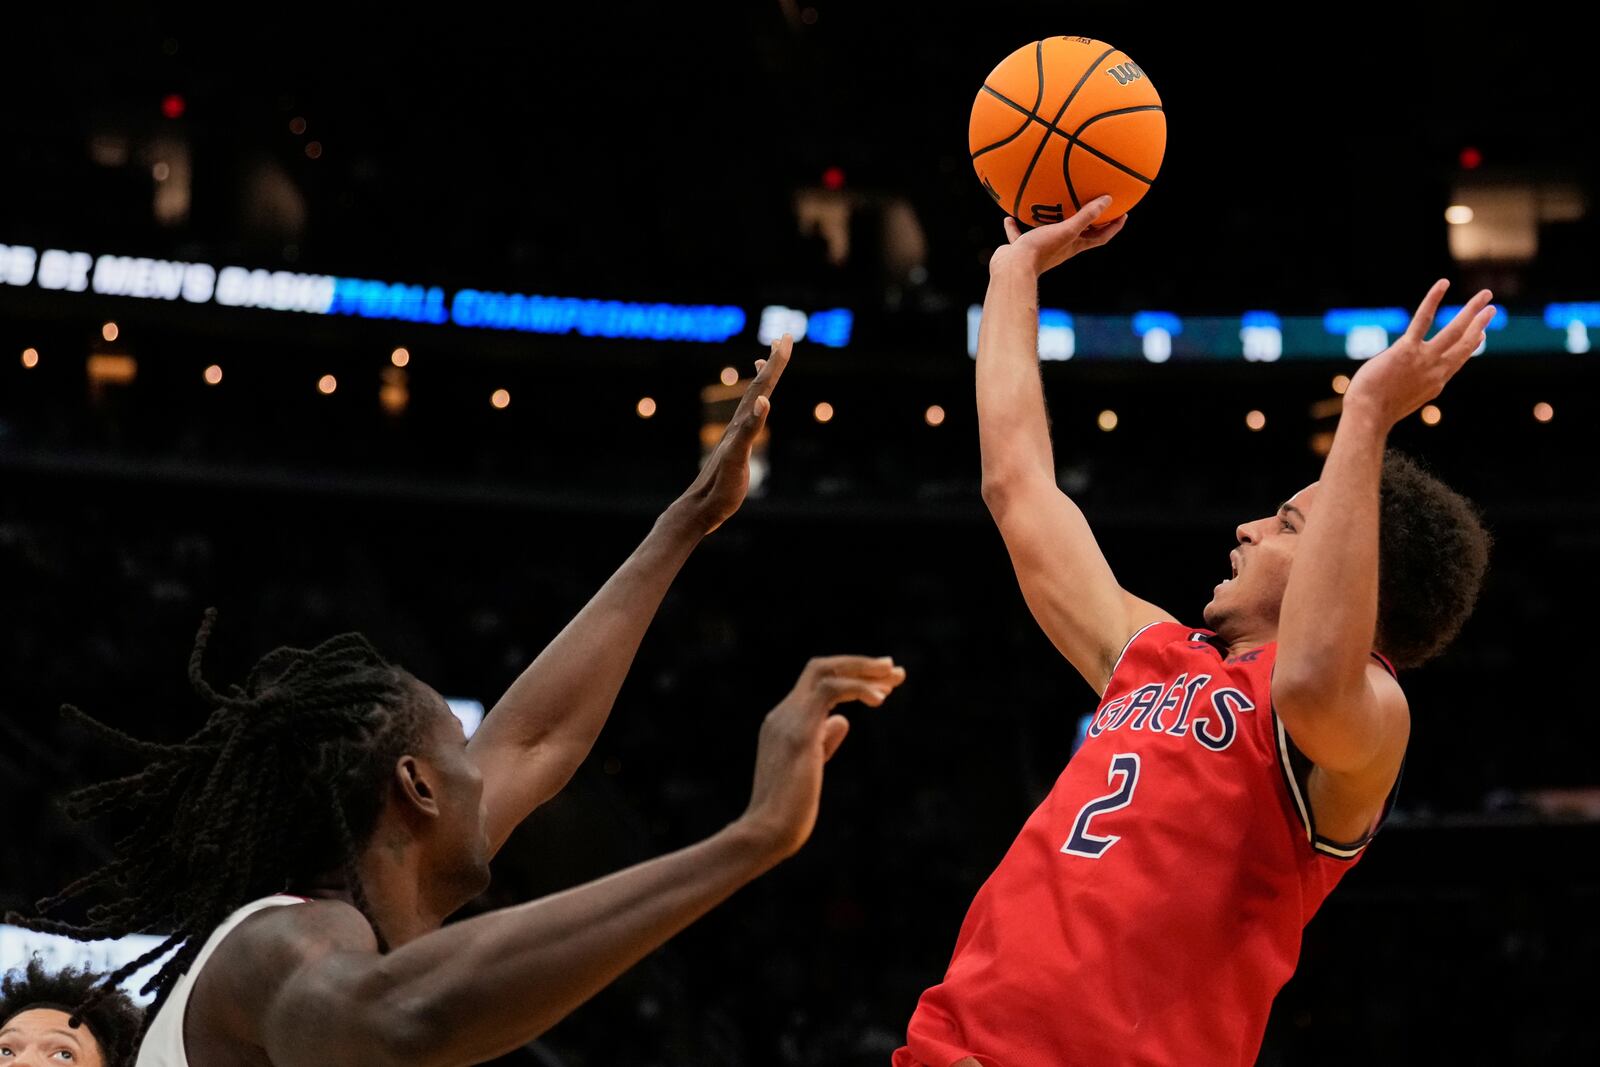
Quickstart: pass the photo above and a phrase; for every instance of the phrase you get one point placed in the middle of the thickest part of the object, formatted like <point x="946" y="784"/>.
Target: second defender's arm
<point x="1065" y="579"/>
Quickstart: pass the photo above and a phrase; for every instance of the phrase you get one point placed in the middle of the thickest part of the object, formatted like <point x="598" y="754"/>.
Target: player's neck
<point x="1247" y="639"/>
<point x="391" y="880"/>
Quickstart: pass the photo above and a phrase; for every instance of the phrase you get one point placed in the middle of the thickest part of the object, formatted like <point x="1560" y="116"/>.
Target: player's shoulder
<point x="273" y="943"/>
<point x="296" y="930"/>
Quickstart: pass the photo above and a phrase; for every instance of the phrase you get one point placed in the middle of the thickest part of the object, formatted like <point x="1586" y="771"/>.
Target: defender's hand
<point x="800" y="735"/>
<point x="722" y="483"/>
<point x="1048" y="246"/>
<point x="1412" y="371"/>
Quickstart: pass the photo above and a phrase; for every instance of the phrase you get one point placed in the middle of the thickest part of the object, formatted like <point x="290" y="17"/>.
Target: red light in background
<point x="172" y="106"/>
<point x="1471" y="158"/>
<point x="833" y="178"/>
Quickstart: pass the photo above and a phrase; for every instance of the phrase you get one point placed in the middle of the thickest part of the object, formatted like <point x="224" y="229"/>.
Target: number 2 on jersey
<point x="1082" y="842"/>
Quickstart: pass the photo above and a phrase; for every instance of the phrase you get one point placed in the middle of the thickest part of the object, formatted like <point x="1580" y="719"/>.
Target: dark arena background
<point x="411" y="323"/>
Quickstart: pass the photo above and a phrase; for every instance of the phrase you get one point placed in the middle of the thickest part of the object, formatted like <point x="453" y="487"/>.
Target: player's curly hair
<point x="1433" y="551"/>
<point x="283" y="784"/>
<point x="114" y="1021"/>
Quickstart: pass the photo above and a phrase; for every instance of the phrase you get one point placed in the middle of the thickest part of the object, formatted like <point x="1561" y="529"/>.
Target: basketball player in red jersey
<point x="304" y="848"/>
<point x="1152" y="907"/>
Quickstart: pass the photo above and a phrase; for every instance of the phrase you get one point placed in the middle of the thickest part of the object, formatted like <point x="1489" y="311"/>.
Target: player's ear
<point x="414" y="780"/>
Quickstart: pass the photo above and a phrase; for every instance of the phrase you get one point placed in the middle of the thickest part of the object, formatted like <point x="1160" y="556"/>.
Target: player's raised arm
<point x="1343" y="712"/>
<point x="538" y="733"/>
<point x="484" y="987"/>
<point x="1064" y="576"/>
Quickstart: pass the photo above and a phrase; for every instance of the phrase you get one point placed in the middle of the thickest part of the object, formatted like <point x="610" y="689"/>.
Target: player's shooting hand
<point x="800" y="735"/>
<point x="1048" y="246"/>
<point x="722" y="483"/>
<point x="1412" y="371"/>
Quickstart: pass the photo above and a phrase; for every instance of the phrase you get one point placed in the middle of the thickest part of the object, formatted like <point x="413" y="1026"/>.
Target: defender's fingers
<point x="1427" y="310"/>
<point x="1464" y="318"/>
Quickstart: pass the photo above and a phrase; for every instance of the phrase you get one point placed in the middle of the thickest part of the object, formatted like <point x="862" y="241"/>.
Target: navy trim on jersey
<point x="1124" y="652"/>
<point x="1287" y="763"/>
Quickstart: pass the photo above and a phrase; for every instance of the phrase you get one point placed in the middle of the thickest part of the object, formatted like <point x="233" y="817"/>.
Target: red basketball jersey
<point x="1152" y="906"/>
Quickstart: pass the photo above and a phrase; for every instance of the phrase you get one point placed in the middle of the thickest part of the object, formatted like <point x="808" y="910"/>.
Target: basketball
<point x="1062" y="121"/>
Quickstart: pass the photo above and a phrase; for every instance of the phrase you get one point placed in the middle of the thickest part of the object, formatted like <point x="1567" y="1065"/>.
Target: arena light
<point x="30" y="358"/>
<point x="1341" y="382"/>
<point x="1261" y="337"/>
<point x="327" y="384"/>
<point x="1458" y="214"/>
<point x="1107" y="420"/>
<point x="400" y="357"/>
<point x="1543" y="412"/>
<point x="297" y="125"/>
<point x="646" y="407"/>
<point x="823" y="412"/>
<point x="112" y="369"/>
<point x="213" y="375"/>
<point x="1431" y="415"/>
<point x="934" y="416"/>
<point x="729" y="376"/>
<point x="109" y="331"/>
<point x="1255" y="420"/>
<point x="501" y="399"/>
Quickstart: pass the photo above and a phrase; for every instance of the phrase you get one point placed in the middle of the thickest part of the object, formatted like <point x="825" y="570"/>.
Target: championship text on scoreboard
<point x="66" y="271"/>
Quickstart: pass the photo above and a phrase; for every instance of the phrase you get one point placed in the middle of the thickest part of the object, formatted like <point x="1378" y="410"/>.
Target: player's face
<point x="40" y="1037"/>
<point x="1259" y="566"/>
<point x="459" y="845"/>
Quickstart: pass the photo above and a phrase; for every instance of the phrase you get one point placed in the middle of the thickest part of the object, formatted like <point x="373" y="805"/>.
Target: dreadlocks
<point x="284" y="782"/>
<point x="114" y="1021"/>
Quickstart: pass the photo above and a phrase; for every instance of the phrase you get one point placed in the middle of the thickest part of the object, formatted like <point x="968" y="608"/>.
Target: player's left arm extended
<point x="541" y="730"/>
<point x="1342" y="711"/>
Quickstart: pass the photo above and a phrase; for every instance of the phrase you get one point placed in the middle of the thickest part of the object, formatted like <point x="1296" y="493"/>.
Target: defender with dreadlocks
<point x="337" y="777"/>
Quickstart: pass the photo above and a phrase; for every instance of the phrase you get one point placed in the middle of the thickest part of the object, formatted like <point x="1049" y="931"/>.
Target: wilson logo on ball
<point x="1046" y="213"/>
<point x="1125" y="72"/>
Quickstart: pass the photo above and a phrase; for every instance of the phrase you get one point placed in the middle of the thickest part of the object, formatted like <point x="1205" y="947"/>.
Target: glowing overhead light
<point x="30" y="357"/>
<point x="1543" y="412"/>
<point x="823" y="412"/>
<point x="1107" y="420"/>
<point x="213" y="374"/>
<point x="1341" y="382"/>
<point x="500" y="398"/>
<point x="730" y="376"/>
<point x="109" y="331"/>
<point x="400" y="357"/>
<point x="327" y="384"/>
<point x="1458" y="214"/>
<point x="646" y="407"/>
<point x="1431" y="415"/>
<point x="1255" y="420"/>
<point x="934" y="416"/>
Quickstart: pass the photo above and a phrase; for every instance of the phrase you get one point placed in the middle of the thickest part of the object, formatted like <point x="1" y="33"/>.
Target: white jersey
<point x="163" y="1043"/>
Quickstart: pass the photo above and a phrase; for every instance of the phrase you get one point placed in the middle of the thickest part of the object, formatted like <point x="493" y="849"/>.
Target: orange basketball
<point x="1062" y="121"/>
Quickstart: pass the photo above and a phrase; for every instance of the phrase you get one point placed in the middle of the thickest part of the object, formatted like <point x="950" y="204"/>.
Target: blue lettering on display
<point x="1145" y="321"/>
<point x="830" y="328"/>
<point x="1341" y="321"/>
<point x="596" y="318"/>
<point x="1560" y="316"/>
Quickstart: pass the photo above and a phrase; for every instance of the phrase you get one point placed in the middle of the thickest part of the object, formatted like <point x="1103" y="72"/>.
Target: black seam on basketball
<point x="1076" y="138"/>
<point x="1037" y="152"/>
<point x="1038" y="58"/>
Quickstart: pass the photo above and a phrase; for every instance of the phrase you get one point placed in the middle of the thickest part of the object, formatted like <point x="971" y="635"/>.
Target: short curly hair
<point x="1433" y="551"/>
<point x="113" y="1019"/>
